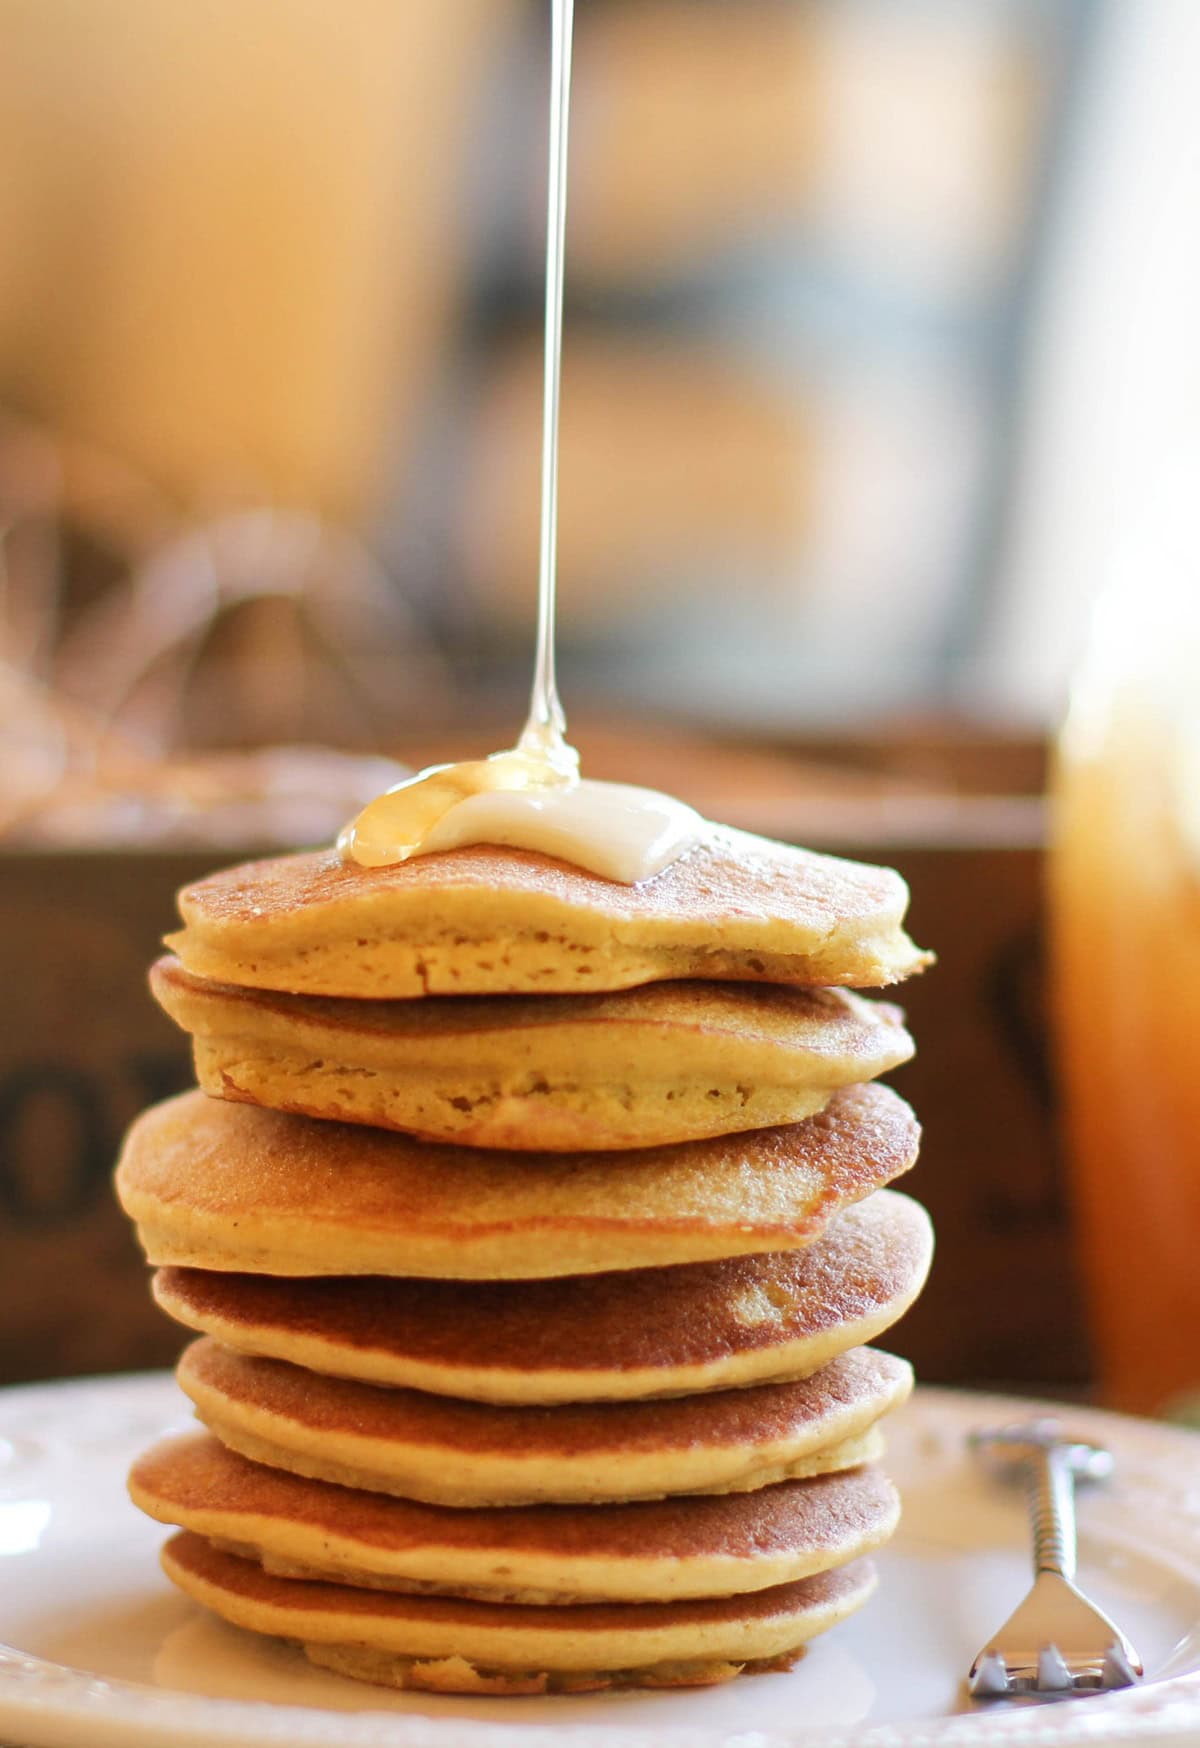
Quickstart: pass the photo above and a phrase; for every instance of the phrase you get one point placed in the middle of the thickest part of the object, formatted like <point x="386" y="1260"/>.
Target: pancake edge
<point x="439" y="1628"/>
<point x="506" y="1572"/>
<point x="440" y="1474"/>
<point x="514" y="1387"/>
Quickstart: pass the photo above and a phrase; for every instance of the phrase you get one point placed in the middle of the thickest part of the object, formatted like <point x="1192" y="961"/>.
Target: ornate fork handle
<point x="1050" y="1491"/>
<point x="1056" y="1641"/>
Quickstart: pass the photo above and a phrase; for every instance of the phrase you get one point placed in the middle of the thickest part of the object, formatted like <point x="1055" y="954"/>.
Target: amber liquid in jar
<point x="1125" y="913"/>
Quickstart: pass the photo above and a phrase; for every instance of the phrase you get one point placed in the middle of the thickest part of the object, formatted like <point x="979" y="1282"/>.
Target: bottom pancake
<point x="455" y="1646"/>
<point x="656" y="1551"/>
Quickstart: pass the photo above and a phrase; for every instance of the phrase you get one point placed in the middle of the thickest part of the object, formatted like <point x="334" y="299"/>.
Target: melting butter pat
<point x="616" y="830"/>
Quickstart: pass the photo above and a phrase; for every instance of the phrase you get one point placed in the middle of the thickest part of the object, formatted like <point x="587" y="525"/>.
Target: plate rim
<point x="41" y="1701"/>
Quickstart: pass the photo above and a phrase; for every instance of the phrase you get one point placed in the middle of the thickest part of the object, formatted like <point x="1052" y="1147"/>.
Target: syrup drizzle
<point x="531" y="795"/>
<point x="544" y="733"/>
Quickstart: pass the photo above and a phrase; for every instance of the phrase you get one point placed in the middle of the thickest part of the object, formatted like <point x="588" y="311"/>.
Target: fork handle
<point x="1050" y="1484"/>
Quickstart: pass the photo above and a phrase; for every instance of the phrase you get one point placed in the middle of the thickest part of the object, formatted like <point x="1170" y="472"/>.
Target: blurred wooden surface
<point x="82" y="1048"/>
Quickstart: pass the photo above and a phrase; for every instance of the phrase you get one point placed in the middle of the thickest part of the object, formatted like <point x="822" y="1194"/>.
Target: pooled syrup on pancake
<point x="531" y="796"/>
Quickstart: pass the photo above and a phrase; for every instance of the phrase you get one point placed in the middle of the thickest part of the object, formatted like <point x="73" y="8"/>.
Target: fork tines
<point x="994" y="1678"/>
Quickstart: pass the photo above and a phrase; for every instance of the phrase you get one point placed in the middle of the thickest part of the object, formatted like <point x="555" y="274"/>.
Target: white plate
<point x="101" y="1652"/>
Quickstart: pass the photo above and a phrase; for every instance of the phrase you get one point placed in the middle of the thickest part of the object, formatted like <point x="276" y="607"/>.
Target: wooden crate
<point x="83" y="1048"/>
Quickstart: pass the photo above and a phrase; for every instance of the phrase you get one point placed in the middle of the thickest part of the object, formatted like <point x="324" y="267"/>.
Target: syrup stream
<point x="542" y="736"/>
<point x="531" y="796"/>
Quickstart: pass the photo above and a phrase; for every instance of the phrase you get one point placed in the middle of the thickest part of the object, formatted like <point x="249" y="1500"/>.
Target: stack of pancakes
<point x="533" y="1233"/>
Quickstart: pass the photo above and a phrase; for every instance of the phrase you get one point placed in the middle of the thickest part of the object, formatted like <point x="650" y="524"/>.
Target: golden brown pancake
<point x="494" y="921"/>
<point x="451" y="1645"/>
<point x="447" y="1452"/>
<point x="641" y="1332"/>
<point x="223" y="1186"/>
<point x="649" y="1552"/>
<point x="638" y="1068"/>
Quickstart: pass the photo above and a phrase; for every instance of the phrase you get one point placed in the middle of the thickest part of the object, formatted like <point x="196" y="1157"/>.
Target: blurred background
<point x="880" y="337"/>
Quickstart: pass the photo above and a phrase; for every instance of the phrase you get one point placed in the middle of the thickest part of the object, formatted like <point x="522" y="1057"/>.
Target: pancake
<point x="650" y="1552"/>
<point x="642" y="1332"/>
<point x="446" y="1452"/>
<point x="456" y="1646"/>
<point x="667" y="1062"/>
<point x="487" y="920"/>
<point x="223" y="1186"/>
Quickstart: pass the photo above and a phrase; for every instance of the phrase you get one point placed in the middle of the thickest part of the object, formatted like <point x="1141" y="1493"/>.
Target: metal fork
<point x="1057" y="1642"/>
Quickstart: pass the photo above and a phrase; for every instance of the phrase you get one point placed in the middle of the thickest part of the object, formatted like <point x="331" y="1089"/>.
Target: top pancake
<point x="487" y="920"/>
<point x="214" y="1185"/>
